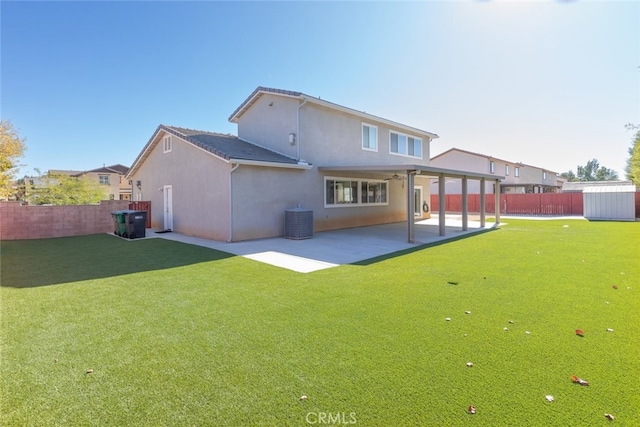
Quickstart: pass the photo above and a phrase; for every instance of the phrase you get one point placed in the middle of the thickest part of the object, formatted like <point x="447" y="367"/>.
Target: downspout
<point x="233" y="168"/>
<point x="298" y="131"/>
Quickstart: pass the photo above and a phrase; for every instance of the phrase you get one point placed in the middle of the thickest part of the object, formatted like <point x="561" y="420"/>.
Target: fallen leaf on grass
<point x="610" y="417"/>
<point x="470" y="364"/>
<point x="303" y="397"/>
<point x="471" y="409"/>
<point x="580" y="332"/>
<point x="549" y="398"/>
<point x="580" y="381"/>
<point x="614" y="287"/>
<point x="609" y="330"/>
<point x="89" y="371"/>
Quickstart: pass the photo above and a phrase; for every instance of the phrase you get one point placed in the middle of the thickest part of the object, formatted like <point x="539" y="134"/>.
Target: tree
<point x="67" y="190"/>
<point x="592" y="171"/>
<point x="569" y="176"/>
<point x="633" y="162"/>
<point x="12" y="148"/>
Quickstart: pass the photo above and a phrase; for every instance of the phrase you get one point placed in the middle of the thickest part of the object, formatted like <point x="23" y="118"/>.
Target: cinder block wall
<point x="41" y="222"/>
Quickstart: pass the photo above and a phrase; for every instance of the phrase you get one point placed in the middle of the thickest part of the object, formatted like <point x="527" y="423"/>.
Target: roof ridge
<point x="198" y="130"/>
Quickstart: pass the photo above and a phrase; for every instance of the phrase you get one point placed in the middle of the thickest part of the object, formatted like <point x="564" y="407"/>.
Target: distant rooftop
<point x="579" y="186"/>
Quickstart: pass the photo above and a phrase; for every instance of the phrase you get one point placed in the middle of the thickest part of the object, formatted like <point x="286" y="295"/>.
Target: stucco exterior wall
<point x="261" y="196"/>
<point x="334" y="138"/>
<point x="467" y="162"/>
<point x="200" y="188"/>
<point x="269" y="122"/>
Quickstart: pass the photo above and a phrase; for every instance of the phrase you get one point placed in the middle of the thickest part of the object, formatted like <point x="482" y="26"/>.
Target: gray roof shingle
<point x="228" y="146"/>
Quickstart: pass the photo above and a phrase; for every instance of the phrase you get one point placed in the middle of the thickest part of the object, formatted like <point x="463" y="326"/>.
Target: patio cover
<point x="412" y="170"/>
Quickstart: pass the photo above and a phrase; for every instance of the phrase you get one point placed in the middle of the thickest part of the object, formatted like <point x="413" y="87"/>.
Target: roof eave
<point x="305" y="166"/>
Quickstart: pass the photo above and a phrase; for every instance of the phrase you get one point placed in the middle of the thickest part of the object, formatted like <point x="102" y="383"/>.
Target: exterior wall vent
<point x="298" y="223"/>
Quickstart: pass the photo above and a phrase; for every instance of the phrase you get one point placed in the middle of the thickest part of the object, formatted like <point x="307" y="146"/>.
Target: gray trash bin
<point x="135" y="222"/>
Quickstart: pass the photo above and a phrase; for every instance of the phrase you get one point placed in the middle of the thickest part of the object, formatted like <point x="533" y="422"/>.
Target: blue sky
<point x="547" y="83"/>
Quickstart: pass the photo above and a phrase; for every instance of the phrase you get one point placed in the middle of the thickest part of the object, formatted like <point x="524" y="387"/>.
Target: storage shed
<point x="609" y="202"/>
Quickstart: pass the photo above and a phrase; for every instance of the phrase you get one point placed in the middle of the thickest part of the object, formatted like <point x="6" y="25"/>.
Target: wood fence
<point x="142" y="206"/>
<point x="519" y="204"/>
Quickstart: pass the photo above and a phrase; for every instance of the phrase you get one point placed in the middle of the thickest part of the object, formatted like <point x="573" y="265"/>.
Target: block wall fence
<point x="40" y="222"/>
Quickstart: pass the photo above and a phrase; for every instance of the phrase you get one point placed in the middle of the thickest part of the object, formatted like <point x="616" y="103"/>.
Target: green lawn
<point x="184" y="335"/>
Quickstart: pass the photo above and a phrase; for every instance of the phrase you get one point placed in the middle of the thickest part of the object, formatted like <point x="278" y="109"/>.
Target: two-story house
<point x="518" y="177"/>
<point x="348" y="167"/>
<point x="112" y="177"/>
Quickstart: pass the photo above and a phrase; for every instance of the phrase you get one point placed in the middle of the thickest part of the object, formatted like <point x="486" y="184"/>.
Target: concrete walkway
<point x="332" y="248"/>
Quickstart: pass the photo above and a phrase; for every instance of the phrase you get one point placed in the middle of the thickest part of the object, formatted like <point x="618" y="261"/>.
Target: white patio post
<point x="497" y="194"/>
<point x="483" y="203"/>
<point x="441" y="202"/>
<point x="410" y="206"/>
<point x="465" y="205"/>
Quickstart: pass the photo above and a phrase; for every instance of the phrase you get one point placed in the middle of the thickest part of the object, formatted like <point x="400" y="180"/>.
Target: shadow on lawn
<point x="34" y="263"/>
<point x="421" y="247"/>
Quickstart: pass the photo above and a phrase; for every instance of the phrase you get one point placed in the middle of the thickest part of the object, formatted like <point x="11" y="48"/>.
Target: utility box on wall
<point x="609" y="202"/>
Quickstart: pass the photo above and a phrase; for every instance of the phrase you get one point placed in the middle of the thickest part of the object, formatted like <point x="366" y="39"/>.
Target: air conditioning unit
<point x="298" y="223"/>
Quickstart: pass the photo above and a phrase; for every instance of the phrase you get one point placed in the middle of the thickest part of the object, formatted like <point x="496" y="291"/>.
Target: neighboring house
<point x="348" y="167"/>
<point x="113" y="177"/>
<point x="518" y="177"/>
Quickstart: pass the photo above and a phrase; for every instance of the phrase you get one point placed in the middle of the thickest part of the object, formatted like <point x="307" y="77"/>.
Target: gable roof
<point x="228" y="147"/>
<point x="119" y="169"/>
<point x="260" y="90"/>
<point x="489" y="158"/>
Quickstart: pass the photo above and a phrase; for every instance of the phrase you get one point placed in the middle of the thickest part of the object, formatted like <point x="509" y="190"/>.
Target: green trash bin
<point x="119" y="220"/>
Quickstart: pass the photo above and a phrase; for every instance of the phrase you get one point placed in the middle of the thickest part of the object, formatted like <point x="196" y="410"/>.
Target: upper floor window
<point x="103" y="179"/>
<point x="544" y="175"/>
<point x="354" y="192"/>
<point x="405" y="145"/>
<point x="492" y="167"/>
<point x="369" y="137"/>
<point x="506" y="170"/>
<point x="516" y="171"/>
<point x="166" y="144"/>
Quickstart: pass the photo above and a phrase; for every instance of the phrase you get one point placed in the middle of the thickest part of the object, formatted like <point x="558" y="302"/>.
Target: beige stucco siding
<point x="262" y="194"/>
<point x="200" y="189"/>
<point x="330" y="137"/>
<point x="269" y="122"/>
<point x="466" y="162"/>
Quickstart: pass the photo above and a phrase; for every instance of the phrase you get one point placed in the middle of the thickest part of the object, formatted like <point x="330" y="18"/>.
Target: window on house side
<point x="166" y="144"/>
<point x="492" y="167"/>
<point x="516" y="171"/>
<point x="405" y="145"/>
<point x="544" y="175"/>
<point x="103" y="179"/>
<point x="506" y="170"/>
<point x="369" y="137"/>
<point x="351" y="192"/>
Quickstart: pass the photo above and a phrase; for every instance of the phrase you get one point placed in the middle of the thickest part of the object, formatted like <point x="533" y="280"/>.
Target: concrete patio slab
<point x="333" y="248"/>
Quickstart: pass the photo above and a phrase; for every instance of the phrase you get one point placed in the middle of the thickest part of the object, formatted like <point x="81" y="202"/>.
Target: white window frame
<point x="166" y="144"/>
<point x="406" y="147"/>
<point x="516" y="172"/>
<point x="356" y="198"/>
<point x="492" y="166"/>
<point x="544" y="175"/>
<point x="506" y="170"/>
<point x="375" y="128"/>
<point x="104" y="179"/>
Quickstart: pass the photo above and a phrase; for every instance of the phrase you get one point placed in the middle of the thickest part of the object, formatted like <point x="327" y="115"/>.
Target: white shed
<point x="609" y="202"/>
